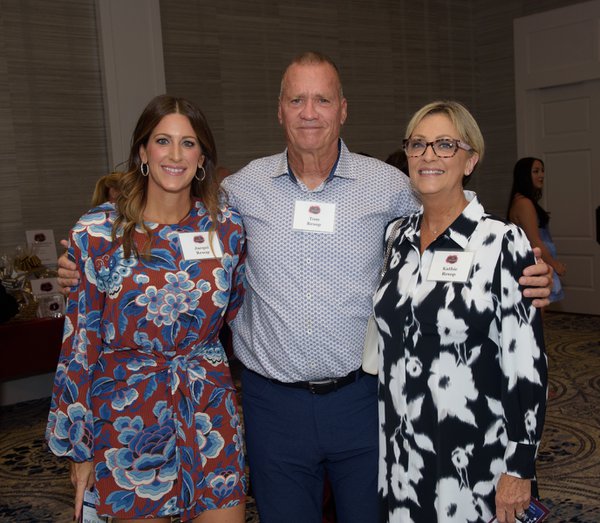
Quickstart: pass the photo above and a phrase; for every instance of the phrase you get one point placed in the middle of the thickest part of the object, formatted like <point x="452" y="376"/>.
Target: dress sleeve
<point x="238" y="279"/>
<point x="522" y="359"/>
<point x="70" y="428"/>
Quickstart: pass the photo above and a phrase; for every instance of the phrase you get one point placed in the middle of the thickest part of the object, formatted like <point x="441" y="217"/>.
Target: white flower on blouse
<point x="518" y="361"/>
<point x="452" y="330"/>
<point x="451" y="384"/>
<point x="449" y="496"/>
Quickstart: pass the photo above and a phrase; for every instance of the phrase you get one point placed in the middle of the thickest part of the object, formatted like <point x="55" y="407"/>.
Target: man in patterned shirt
<point x="314" y="217"/>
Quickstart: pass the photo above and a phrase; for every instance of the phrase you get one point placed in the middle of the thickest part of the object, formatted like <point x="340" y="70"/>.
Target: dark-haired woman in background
<point x="143" y="404"/>
<point x="525" y="211"/>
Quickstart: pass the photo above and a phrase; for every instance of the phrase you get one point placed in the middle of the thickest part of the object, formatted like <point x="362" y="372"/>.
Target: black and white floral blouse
<point x="463" y="372"/>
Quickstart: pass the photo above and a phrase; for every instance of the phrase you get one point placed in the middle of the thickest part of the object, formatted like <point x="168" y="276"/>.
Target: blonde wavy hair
<point x="103" y="187"/>
<point x="131" y="201"/>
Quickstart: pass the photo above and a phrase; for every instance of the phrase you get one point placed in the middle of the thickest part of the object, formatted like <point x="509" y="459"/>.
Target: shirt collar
<point x="341" y="168"/>
<point x="459" y="231"/>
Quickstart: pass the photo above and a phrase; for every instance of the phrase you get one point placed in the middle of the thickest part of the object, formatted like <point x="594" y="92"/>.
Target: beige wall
<point x="228" y="57"/>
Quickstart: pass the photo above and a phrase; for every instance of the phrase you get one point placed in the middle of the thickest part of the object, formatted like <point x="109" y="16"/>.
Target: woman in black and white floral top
<point x="463" y="369"/>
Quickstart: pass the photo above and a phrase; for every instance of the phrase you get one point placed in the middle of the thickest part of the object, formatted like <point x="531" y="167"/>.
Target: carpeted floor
<point x="34" y="486"/>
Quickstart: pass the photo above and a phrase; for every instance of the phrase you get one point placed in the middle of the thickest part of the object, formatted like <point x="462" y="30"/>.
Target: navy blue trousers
<point x="293" y="436"/>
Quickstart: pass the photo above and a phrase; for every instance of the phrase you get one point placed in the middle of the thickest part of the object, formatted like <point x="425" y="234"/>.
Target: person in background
<point x="525" y="211"/>
<point x="314" y="216"/>
<point x="107" y="189"/>
<point x="143" y="404"/>
<point x="463" y="371"/>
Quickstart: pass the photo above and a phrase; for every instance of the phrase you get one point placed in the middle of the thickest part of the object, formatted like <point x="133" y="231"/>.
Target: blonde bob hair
<point x="461" y="118"/>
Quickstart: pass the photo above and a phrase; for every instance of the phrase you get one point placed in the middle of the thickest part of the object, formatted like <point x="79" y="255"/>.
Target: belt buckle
<point x="322" y="387"/>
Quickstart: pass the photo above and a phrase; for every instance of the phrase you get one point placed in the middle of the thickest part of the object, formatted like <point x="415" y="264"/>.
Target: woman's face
<point x="432" y="175"/>
<point x="537" y="175"/>
<point x="173" y="155"/>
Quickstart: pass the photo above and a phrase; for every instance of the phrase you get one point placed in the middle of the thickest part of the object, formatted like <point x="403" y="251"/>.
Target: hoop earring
<point x="203" y="174"/>
<point x="145" y="169"/>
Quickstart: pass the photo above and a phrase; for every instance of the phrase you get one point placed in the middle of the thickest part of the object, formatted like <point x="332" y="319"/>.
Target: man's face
<point x="311" y="109"/>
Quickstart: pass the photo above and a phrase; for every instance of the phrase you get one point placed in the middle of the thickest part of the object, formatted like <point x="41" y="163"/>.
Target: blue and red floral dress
<point x="143" y="386"/>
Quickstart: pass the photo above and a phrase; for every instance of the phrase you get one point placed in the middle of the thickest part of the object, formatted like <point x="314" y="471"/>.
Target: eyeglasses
<point x="443" y="148"/>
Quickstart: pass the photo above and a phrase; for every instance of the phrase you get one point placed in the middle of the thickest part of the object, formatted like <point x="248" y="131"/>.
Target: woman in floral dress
<point x="462" y="369"/>
<point x="143" y="402"/>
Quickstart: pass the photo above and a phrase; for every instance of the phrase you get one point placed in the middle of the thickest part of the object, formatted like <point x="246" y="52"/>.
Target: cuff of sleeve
<point x="519" y="459"/>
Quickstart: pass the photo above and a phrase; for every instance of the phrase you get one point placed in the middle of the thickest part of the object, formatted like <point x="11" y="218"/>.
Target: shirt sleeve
<point x="522" y="358"/>
<point x="406" y="200"/>
<point x="70" y="428"/>
<point x="238" y="279"/>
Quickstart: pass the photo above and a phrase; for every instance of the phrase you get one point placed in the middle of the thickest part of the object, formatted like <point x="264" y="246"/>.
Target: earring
<point x="145" y="169"/>
<point x="203" y="174"/>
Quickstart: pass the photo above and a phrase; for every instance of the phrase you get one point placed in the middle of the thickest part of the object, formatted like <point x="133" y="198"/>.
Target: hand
<point x="82" y="477"/>
<point x="67" y="271"/>
<point x="512" y="497"/>
<point x="538" y="281"/>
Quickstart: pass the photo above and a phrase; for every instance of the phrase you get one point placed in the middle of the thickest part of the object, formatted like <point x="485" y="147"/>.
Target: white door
<point x="565" y="125"/>
<point x="557" y="90"/>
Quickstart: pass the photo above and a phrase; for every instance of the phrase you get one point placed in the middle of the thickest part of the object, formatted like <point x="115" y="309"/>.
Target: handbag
<point x="371" y="345"/>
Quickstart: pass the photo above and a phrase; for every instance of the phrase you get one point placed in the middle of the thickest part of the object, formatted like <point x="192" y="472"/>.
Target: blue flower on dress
<point x="223" y="481"/>
<point x="107" y="272"/>
<point x="141" y="279"/>
<point x="146" y="463"/>
<point x="173" y="305"/>
<point x="221" y="296"/>
<point x="235" y="422"/>
<point x="177" y="297"/>
<point x="71" y="432"/>
<point x="177" y="282"/>
<point x="142" y="340"/>
<point x="210" y="442"/>
<point x="151" y="299"/>
<point x="123" y="398"/>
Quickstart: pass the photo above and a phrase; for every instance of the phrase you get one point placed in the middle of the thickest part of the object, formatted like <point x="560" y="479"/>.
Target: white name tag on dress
<point x="197" y="246"/>
<point x="452" y="266"/>
<point x="314" y="216"/>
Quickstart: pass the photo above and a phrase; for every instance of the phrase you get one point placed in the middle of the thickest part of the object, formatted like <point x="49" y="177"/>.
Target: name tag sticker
<point x="197" y="246"/>
<point x="314" y="216"/>
<point x="452" y="266"/>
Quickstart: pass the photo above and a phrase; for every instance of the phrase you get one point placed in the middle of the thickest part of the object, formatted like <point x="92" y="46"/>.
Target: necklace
<point x="434" y="232"/>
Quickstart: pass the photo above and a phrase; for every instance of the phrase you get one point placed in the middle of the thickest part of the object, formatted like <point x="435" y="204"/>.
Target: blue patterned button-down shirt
<point x="309" y="294"/>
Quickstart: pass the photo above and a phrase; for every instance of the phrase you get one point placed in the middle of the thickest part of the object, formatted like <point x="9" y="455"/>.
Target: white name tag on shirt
<point x="452" y="266"/>
<point x="197" y="246"/>
<point x="314" y="216"/>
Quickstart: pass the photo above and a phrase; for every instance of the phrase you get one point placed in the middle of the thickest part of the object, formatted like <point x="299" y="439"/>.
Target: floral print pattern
<point x="462" y="373"/>
<point x="143" y="386"/>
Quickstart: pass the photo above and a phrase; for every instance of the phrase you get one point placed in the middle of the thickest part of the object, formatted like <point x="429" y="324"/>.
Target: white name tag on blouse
<point x="314" y="216"/>
<point x="452" y="266"/>
<point x="197" y="246"/>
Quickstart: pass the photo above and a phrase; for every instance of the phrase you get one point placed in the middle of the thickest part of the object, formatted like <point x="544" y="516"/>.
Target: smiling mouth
<point x="175" y="171"/>
<point x="431" y="172"/>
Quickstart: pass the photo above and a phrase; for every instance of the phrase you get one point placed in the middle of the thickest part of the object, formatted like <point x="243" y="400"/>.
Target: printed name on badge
<point x="197" y="246"/>
<point x="314" y="216"/>
<point x="454" y="266"/>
